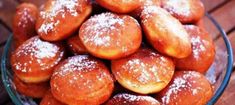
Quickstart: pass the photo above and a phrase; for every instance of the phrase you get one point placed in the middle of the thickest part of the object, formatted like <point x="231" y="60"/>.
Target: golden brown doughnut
<point x="24" y="22"/>
<point x="165" y="33"/>
<point x="35" y="59"/>
<point x="187" y="11"/>
<point x="76" y="46"/>
<point x="186" y="88"/>
<point x="82" y="80"/>
<point x="129" y="99"/>
<point x="146" y="71"/>
<point x="48" y="99"/>
<point x="111" y="36"/>
<point x="58" y="15"/>
<point x="203" y="51"/>
<point x="35" y="90"/>
<point x="120" y="6"/>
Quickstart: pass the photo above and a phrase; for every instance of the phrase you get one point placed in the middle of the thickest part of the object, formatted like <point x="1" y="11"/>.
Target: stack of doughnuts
<point x="112" y="52"/>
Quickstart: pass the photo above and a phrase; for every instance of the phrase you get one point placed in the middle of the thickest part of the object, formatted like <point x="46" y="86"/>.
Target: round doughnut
<point x="129" y="99"/>
<point x="24" y="22"/>
<point x="35" y="59"/>
<point x="187" y="11"/>
<point x="58" y="15"/>
<point x="165" y="33"/>
<point x="76" y="46"/>
<point x="144" y="72"/>
<point x="111" y="36"/>
<point x="203" y="51"/>
<point x="34" y="90"/>
<point x="82" y="80"/>
<point x="48" y="99"/>
<point x="120" y="6"/>
<point x="186" y="88"/>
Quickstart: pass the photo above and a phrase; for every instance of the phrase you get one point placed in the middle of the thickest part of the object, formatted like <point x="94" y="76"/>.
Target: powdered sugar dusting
<point x="37" y="50"/>
<point x="179" y="84"/>
<point x="25" y="17"/>
<point x="181" y="7"/>
<point x="144" y="76"/>
<point x="61" y="7"/>
<point x="58" y="8"/>
<point x="127" y="99"/>
<point x="148" y="11"/>
<point x="197" y="46"/>
<point x="78" y="63"/>
<point x="101" y="29"/>
<point x="147" y="66"/>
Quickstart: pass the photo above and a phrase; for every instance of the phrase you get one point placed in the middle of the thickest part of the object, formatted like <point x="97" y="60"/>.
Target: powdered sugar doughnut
<point x="24" y="23"/>
<point x="129" y="99"/>
<point x="60" y="18"/>
<point x="111" y="36"/>
<point x="165" y="33"/>
<point x="146" y="71"/>
<point x="186" y="88"/>
<point x="203" y="51"/>
<point x="82" y="80"/>
<point x="35" y="59"/>
<point x="187" y="11"/>
<point x="120" y="6"/>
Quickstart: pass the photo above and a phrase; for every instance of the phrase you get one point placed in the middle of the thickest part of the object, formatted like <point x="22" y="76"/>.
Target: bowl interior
<point x="218" y="74"/>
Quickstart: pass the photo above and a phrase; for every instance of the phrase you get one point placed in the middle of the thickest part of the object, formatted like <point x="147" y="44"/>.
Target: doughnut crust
<point x="48" y="99"/>
<point x="165" y="33"/>
<point x="144" y="72"/>
<point x="120" y="6"/>
<point x="187" y="11"/>
<point x="203" y="51"/>
<point x="24" y="22"/>
<point x="129" y="99"/>
<point x="111" y="36"/>
<point x="35" y="90"/>
<point x="35" y="59"/>
<point x="58" y="15"/>
<point x="82" y="80"/>
<point x="76" y="46"/>
<point x="186" y="88"/>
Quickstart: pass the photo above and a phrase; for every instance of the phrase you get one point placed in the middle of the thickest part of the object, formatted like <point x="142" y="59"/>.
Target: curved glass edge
<point x="227" y="76"/>
<point x="4" y="74"/>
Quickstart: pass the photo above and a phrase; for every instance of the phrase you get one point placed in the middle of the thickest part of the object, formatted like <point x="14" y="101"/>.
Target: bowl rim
<point x="229" y="66"/>
<point x="213" y="100"/>
<point x="5" y="81"/>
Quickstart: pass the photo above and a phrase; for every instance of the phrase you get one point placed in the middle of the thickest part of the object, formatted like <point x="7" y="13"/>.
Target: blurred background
<point x="223" y="12"/>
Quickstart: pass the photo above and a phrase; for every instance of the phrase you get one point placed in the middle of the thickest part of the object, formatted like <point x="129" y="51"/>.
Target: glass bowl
<point x="218" y="74"/>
